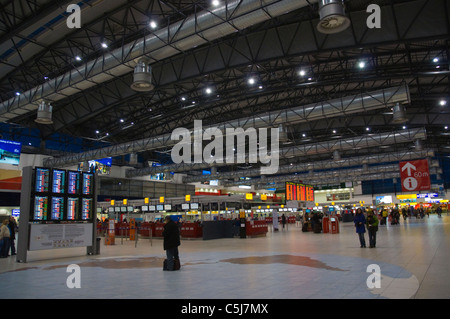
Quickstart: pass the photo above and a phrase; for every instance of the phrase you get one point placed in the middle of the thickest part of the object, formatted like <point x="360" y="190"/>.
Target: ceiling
<point x="193" y="48"/>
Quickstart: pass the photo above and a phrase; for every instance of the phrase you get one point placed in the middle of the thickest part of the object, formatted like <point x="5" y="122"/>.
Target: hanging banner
<point x="415" y="175"/>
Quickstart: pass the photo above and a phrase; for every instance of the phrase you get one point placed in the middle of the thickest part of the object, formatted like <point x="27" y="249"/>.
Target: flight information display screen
<point x="40" y="207"/>
<point x="42" y="180"/>
<point x="73" y="205"/>
<point x="87" y="206"/>
<point x="88" y="184"/>
<point x="57" y="208"/>
<point x="73" y="182"/>
<point x="58" y="181"/>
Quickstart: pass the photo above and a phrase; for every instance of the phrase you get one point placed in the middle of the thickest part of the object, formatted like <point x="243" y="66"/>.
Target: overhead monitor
<point x="57" y="208"/>
<point x="87" y="208"/>
<point x="88" y="183"/>
<point x="10" y="152"/>
<point x="299" y="192"/>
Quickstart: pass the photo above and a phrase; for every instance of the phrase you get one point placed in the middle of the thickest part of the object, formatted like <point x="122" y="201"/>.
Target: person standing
<point x="360" y="222"/>
<point x="171" y="235"/>
<point x="12" y="231"/>
<point x="4" y="239"/>
<point x="372" y="227"/>
<point x="283" y="220"/>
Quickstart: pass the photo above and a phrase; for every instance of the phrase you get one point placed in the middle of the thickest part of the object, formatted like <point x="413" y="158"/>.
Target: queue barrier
<point x="147" y="229"/>
<point x="256" y="228"/>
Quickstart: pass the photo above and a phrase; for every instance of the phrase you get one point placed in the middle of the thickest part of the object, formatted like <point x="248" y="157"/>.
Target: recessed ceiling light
<point x="251" y="81"/>
<point x="77" y="58"/>
<point x="153" y="24"/>
<point x="121" y="120"/>
<point x="97" y="132"/>
<point x="302" y="73"/>
<point x="436" y="60"/>
<point x="183" y="98"/>
<point x="193" y="102"/>
<point x="215" y="3"/>
<point x="446" y="127"/>
<point x="334" y="131"/>
<point x="362" y="65"/>
<point x="404" y="127"/>
<point x="104" y="45"/>
<point x="17" y="93"/>
<point x="367" y="129"/>
<point x="260" y="87"/>
<point x="208" y="91"/>
<point x="442" y="102"/>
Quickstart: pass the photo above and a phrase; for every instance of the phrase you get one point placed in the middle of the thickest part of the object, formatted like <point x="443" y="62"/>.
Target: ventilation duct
<point x="44" y="113"/>
<point x="332" y="17"/>
<point x="142" y="77"/>
<point x="399" y="114"/>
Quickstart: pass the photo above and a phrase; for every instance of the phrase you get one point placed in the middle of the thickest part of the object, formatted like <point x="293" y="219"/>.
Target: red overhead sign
<point x="415" y="175"/>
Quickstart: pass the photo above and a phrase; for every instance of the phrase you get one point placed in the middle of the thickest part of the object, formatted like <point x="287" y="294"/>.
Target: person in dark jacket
<point x="360" y="222"/>
<point x="171" y="236"/>
<point x="372" y="227"/>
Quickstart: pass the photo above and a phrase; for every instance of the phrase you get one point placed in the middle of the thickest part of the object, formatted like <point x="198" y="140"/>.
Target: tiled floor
<point x="413" y="258"/>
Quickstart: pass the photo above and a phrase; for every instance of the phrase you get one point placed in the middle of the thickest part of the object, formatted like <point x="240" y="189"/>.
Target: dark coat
<point x="360" y="221"/>
<point x="171" y="235"/>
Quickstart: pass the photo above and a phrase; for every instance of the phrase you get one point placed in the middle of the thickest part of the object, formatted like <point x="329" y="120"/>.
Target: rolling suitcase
<point x="176" y="264"/>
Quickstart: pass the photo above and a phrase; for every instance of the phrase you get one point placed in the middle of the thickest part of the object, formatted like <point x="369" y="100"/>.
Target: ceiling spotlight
<point x="121" y="120"/>
<point x="442" y="102"/>
<point x="17" y="93"/>
<point x="183" y="98"/>
<point x="251" y="81"/>
<point x="77" y="58"/>
<point x="436" y="60"/>
<point x="208" y="91"/>
<point x="446" y="127"/>
<point x="153" y="24"/>
<point x="302" y="73"/>
<point x="404" y="127"/>
<point x="362" y="65"/>
<point x="304" y="135"/>
<point x="97" y="132"/>
<point x="104" y="45"/>
<point x="367" y="129"/>
<point x="260" y="87"/>
<point x="215" y="3"/>
<point x="334" y="131"/>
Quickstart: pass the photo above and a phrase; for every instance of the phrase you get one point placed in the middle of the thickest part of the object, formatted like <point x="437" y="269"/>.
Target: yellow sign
<point x="161" y="199"/>
<point x="407" y="196"/>
<point x="146" y="200"/>
<point x="125" y="201"/>
<point x="249" y="196"/>
<point x="242" y="213"/>
<point x="112" y="202"/>
<point x="263" y="197"/>
<point x="188" y="198"/>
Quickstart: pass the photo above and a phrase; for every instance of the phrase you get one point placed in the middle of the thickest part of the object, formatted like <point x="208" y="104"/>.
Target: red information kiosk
<point x="334" y="225"/>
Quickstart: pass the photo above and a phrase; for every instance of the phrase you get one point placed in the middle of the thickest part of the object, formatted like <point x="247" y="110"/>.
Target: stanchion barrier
<point x="159" y="228"/>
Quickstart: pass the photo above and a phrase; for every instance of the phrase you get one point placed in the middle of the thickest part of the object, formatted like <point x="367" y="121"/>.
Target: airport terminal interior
<point x="301" y="148"/>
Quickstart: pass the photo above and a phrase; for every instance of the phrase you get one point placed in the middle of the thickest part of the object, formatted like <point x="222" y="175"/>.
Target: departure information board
<point x="62" y="195"/>
<point x="57" y="208"/>
<point x="73" y="206"/>
<point x="87" y="206"/>
<point x="73" y="182"/>
<point x="42" y="180"/>
<point x="300" y="192"/>
<point x="40" y="208"/>
<point x="88" y="184"/>
<point x="58" y="181"/>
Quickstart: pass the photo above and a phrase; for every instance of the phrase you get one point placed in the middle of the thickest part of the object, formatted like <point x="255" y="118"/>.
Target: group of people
<point x="371" y="222"/>
<point x="7" y="237"/>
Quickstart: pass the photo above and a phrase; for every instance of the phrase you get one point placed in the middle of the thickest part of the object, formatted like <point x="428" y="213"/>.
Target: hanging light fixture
<point x="399" y="114"/>
<point x="332" y="17"/>
<point x="44" y="113"/>
<point x="142" y="77"/>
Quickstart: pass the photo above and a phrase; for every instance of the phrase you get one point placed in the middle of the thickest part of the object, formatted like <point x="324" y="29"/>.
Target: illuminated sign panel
<point x="300" y="192"/>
